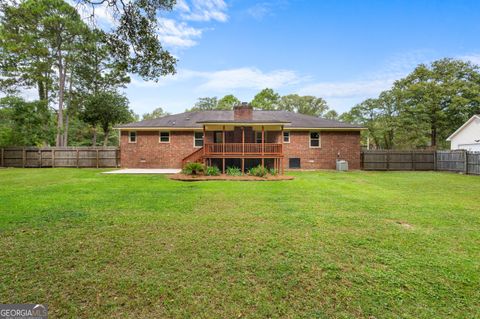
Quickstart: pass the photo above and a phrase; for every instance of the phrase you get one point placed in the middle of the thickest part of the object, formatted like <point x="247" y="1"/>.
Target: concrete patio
<point x="145" y="171"/>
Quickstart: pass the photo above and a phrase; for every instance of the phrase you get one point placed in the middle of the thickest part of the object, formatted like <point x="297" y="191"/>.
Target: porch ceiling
<point x="231" y="127"/>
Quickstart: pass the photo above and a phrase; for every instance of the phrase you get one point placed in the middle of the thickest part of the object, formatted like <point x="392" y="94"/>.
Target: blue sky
<point x="343" y="51"/>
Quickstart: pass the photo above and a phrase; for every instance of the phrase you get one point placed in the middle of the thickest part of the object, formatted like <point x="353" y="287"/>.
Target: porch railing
<point x="243" y="149"/>
<point x="193" y="157"/>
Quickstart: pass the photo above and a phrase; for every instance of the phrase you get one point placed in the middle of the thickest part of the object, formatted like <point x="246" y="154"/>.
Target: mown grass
<point x="325" y="245"/>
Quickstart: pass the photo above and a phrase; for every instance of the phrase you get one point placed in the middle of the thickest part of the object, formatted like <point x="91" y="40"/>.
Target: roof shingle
<point x="197" y="119"/>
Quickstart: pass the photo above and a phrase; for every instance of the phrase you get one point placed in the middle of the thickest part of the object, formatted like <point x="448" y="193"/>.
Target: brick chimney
<point x="243" y="111"/>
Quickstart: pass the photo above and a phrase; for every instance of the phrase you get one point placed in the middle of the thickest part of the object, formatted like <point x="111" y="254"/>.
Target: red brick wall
<point x="332" y="143"/>
<point x="149" y="153"/>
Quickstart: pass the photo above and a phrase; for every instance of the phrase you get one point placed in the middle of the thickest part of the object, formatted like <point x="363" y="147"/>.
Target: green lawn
<point x="325" y="245"/>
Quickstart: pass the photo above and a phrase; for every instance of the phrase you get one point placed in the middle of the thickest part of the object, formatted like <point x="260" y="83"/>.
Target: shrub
<point x="193" y="169"/>
<point x="233" y="171"/>
<point x="212" y="171"/>
<point x="272" y="171"/>
<point x="259" y="171"/>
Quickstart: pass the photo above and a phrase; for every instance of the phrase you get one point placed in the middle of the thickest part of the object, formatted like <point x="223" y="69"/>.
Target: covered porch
<point x="243" y="145"/>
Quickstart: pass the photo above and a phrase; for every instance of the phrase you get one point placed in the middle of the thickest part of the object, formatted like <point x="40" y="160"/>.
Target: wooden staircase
<point x="195" y="157"/>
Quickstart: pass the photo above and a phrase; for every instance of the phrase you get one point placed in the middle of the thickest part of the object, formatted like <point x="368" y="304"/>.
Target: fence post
<point x="40" y="158"/>
<point x="388" y="160"/>
<point x="434" y="160"/>
<point x="2" y="163"/>
<point x="117" y="155"/>
<point x="413" y="161"/>
<point x="24" y="157"/>
<point x="53" y="158"/>
<point x="465" y="154"/>
<point x="77" y="157"/>
<point x="97" y="158"/>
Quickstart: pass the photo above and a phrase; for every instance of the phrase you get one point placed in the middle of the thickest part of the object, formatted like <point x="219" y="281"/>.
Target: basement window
<point x="198" y="139"/>
<point x="132" y="137"/>
<point x="165" y="137"/>
<point x="294" y="162"/>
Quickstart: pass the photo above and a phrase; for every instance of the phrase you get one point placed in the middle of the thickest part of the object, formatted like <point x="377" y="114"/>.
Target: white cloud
<point x="204" y="10"/>
<point x="474" y="58"/>
<point x="174" y="31"/>
<point x="370" y="84"/>
<point x="348" y="89"/>
<point x="177" y="34"/>
<point x="247" y="78"/>
<point x="230" y="79"/>
<point x="182" y="6"/>
<point x="260" y="10"/>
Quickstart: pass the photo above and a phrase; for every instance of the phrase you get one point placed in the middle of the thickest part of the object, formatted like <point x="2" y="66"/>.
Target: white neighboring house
<point x="467" y="137"/>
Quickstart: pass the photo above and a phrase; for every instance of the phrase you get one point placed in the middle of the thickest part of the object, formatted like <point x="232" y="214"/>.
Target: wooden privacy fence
<point x="454" y="161"/>
<point x="398" y="160"/>
<point x="60" y="157"/>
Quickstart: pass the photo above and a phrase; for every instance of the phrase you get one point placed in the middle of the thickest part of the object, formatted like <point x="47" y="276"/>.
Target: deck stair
<point x="195" y="157"/>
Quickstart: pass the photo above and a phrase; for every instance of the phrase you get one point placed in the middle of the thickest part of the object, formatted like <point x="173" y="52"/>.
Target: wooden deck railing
<point x="193" y="157"/>
<point x="243" y="149"/>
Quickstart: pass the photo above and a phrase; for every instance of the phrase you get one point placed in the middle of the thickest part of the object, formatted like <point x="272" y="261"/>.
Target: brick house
<point x="243" y="138"/>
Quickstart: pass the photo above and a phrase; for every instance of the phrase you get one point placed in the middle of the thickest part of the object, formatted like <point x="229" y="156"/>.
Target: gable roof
<point x="470" y="120"/>
<point x="198" y="119"/>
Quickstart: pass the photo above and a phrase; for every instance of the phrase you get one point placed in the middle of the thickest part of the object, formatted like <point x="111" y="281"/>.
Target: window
<point x="132" y="137"/>
<point x="286" y="137"/>
<point x="198" y="139"/>
<point x="258" y="137"/>
<point x="294" y="163"/>
<point x="314" y="139"/>
<point x="165" y="137"/>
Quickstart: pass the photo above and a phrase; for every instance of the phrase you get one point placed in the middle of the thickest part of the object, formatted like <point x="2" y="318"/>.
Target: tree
<point x="6" y="124"/>
<point x="205" y="104"/>
<point x="444" y="95"/>
<point x="366" y="114"/>
<point x="379" y="116"/>
<point x="423" y="108"/>
<point x="309" y="105"/>
<point x="267" y="99"/>
<point x="331" y="115"/>
<point x="25" y="123"/>
<point x="47" y="35"/>
<point x="134" y="39"/>
<point x="158" y="112"/>
<point x="106" y="109"/>
<point x="227" y="102"/>
<point x="96" y="69"/>
<point x="25" y="59"/>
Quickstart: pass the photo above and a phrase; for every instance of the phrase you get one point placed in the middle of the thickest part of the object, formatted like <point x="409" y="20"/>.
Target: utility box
<point x="342" y="165"/>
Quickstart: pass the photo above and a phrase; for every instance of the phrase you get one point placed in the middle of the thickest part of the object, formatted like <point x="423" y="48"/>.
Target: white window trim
<point x="283" y="137"/>
<point x="130" y="139"/>
<point x="310" y="139"/>
<point x="160" y="137"/>
<point x="194" y="139"/>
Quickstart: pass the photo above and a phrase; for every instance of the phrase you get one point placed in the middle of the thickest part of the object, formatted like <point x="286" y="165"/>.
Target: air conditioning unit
<point x="342" y="165"/>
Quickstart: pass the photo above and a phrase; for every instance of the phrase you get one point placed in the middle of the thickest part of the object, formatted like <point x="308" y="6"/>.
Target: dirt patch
<point x="404" y="224"/>
<point x="223" y="177"/>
